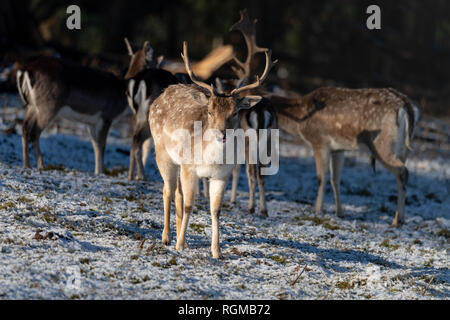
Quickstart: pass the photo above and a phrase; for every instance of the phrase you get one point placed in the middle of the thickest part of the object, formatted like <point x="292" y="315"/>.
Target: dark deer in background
<point x="261" y="116"/>
<point x="332" y="120"/>
<point x="50" y="87"/>
<point x="143" y="89"/>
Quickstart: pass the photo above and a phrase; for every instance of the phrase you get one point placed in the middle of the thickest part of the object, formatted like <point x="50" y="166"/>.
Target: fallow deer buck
<point x="332" y="120"/>
<point x="184" y="107"/>
<point x="51" y="87"/>
<point x="261" y="116"/>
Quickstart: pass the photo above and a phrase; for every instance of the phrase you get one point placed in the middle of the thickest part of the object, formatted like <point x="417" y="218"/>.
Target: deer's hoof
<point x="340" y="213"/>
<point x="264" y="213"/>
<point x="216" y="254"/>
<point x="397" y="223"/>
<point x="181" y="246"/>
<point x="251" y="210"/>
<point x="165" y="240"/>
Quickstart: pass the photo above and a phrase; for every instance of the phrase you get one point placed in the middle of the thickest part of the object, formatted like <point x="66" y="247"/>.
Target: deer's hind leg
<point x="336" y="165"/>
<point x="35" y="122"/>
<point x="393" y="159"/>
<point x="179" y="205"/>
<point x="139" y="138"/>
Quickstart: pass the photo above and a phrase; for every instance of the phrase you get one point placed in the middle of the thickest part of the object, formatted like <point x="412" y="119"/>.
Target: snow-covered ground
<point x="100" y="236"/>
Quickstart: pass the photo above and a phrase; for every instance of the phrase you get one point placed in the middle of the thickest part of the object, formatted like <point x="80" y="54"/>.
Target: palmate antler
<point x="248" y="30"/>
<point x="210" y="88"/>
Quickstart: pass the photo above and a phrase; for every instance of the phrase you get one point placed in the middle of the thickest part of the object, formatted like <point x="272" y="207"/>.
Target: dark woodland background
<point x="320" y="43"/>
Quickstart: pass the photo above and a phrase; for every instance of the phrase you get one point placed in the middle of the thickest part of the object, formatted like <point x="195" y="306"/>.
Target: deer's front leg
<point x="336" y="165"/>
<point x="262" y="193"/>
<point x="216" y="190"/>
<point x="132" y="162"/>
<point x="234" y="184"/>
<point x="169" y="174"/>
<point x="251" y="176"/>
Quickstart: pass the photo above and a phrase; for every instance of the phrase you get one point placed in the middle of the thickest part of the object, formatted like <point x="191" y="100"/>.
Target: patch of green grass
<point x="49" y="218"/>
<point x="429" y="263"/>
<point x="131" y="197"/>
<point x="23" y="199"/>
<point x="361" y="192"/>
<point x="280" y="260"/>
<point x="54" y="167"/>
<point x="198" y="227"/>
<point x="386" y="243"/>
<point x="172" y="261"/>
<point x="114" y="172"/>
<point x="7" y="205"/>
<point x="107" y="200"/>
<point x="443" y="233"/>
<point x="326" y="223"/>
<point x="345" y="285"/>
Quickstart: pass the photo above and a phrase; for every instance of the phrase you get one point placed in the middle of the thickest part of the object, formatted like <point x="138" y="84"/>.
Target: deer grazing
<point x="50" y="87"/>
<point x="261" y="116"/>
<point x="184" y="107"/>
<point x="332" y="120"/>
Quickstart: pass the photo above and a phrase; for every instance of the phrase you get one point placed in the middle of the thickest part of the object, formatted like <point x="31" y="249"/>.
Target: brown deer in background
<point x="50" y="87"/>
<point x="332" y="120"/>
<point x="184" y="107"/>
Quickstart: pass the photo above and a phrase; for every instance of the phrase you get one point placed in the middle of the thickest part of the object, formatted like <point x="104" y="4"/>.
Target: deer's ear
<point x="219" y="86"/>
<point x="248" y="102"/>
<point x="130" y="94"/>
<point x="160" y="62"/>
<point x="129" y="48"/>
<point x="148" y="50"/>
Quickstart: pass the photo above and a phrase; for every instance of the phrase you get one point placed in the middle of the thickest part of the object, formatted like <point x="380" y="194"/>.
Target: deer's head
<point x="141" y="59"/>
<point x="223" y="108"/>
